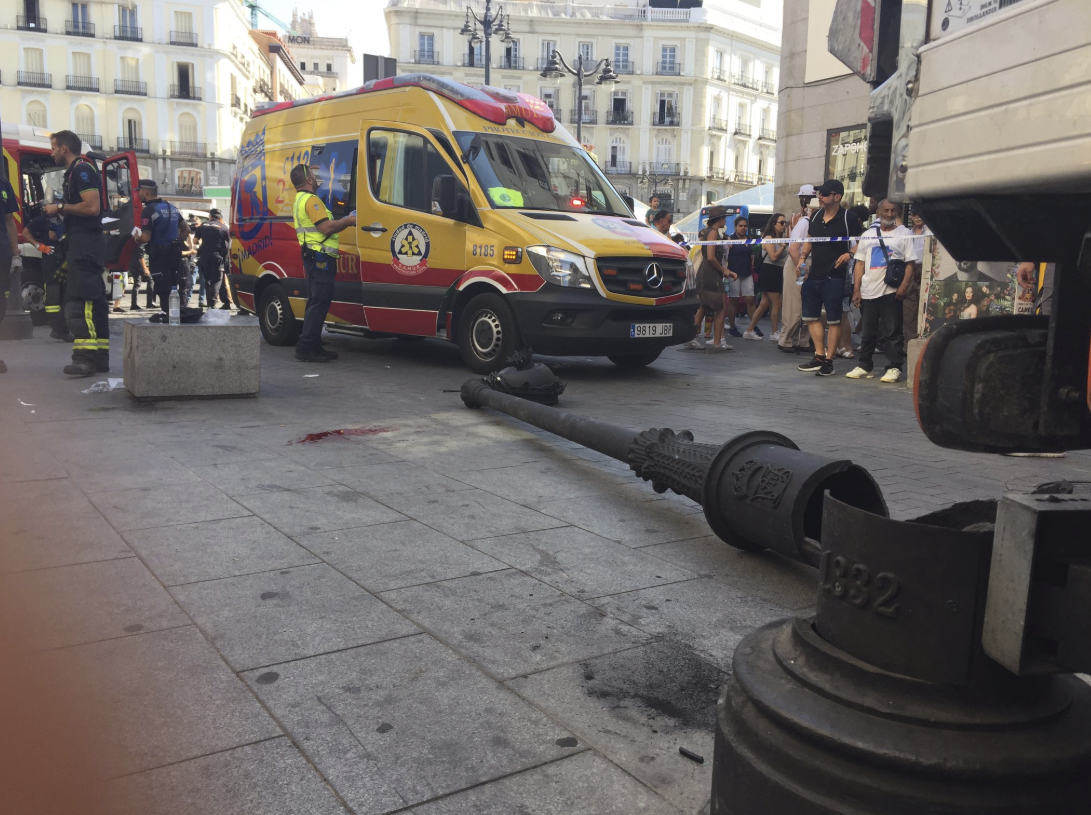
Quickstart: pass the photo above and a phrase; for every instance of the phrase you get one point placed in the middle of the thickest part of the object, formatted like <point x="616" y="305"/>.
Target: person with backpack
<point x="825" y="265"/>
<point x="884" y="269"/>
<point x="163" y="231"/>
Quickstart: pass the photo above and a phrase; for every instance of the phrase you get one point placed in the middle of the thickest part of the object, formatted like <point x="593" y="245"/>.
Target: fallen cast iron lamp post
<point x="934" y="676"/>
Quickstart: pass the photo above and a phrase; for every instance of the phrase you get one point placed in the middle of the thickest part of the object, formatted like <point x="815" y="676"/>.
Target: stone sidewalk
<point x="448" y="613"/>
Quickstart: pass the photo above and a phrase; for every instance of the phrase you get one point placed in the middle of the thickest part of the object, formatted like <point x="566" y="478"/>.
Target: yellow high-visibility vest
<point x="306" y="232"/>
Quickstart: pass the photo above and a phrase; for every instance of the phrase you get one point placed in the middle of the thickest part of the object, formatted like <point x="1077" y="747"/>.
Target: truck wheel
<point x="487" y="335"/>
<point x="635" y="360"/>
<point x="278" y="325"/>
<point x="34" y="302"/>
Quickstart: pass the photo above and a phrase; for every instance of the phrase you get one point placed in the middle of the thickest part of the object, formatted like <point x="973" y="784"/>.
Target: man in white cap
<point x="792" y="308"/>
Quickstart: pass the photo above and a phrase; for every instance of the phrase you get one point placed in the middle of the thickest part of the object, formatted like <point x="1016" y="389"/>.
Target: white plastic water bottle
<point x="175" y="307"/>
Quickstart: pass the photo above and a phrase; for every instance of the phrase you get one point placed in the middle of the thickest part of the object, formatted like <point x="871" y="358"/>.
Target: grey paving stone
<point x="59" y="496"/>
<point x="215" y="447"/>
<point x="159" y="698"/>
<point x="634" y="523"/>
<point x="188" y="553"/>
<point x="703" y="614"/>
<point x="470" y="514"/>
<point x="512" y="624"/>
<point x="265" y="475"/>
<point x="637" y="707"/>
<point x="267" y="778"/>
<point x="25" y="461"/>
<point x="164" y="506"/>
<point x="36" y="539"/>
<point x="383" y="480"/>
<point x="538" y="482"/>
<point x="765" y="574"/>
<point x="321" y="509"/>
<point x="585" y="784"/>
<point x="69" y="605"/>
<point x="395" y="555"/>
<point x="581" y="563"/>
<point x="397" y="723"/>
<point x="287" y="614"/>
<point x="335" y="452"/>
<point x="106" y="465"/>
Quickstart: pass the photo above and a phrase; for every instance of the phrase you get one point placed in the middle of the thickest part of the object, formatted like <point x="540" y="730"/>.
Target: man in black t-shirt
<point x="211" y="254"/>
<point x="825" y="264"/>
<point x="86" y="310"/>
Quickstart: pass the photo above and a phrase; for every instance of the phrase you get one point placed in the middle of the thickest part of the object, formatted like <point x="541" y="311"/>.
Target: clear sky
<point x="361" y="21"/>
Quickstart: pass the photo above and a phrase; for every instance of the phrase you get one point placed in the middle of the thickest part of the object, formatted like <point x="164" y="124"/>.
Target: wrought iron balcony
<point x="132" y="33"/>
<point x="744" y="178"/>
<point x="668" y="68"/>
<point x="767" y="134"/>
<point x="34" y="79"/>
<point x="31" y="22"/>
<point x="185" y="92"/>
<point x="472" y="61"/>
<point x="81" y="83"/>
<point x="587" y="117"/>
<point x="625" y="66"/>
<point x="184" y="38"/>
<point x="619" y="117"/>
<point x="719" y="74"/>
<point x="717" y="173"/>
<point x="130" y="87"/>
<point x="742" y="129"/>
<point x="618" y="168"/>
<point x="189" y="148"/>
<point x="261" y="87"/>
<point x="765" y="179"/>
<point x="769" y="88"/>
<point x="95" y="142"/>
<point x="79" y="28"/>
<point x="664" y="168"/>
<point x="137" y="145"/>
<point x="426" y="57"/>
<point x="236" y="102"/>
<point x="511" y="63"/>
<point x="542" y="62"/>
<point x="665" y="120"/>
<point x="744" y="81"/>
<point x="716" y="123"/>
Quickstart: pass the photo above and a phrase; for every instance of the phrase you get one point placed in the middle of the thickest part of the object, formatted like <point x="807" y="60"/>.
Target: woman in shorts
<point x="711" y="274"/>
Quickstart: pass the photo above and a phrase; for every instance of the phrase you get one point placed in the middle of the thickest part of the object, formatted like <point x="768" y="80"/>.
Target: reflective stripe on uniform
<point x="89" y="319"/>
<point x="52" y="309"/>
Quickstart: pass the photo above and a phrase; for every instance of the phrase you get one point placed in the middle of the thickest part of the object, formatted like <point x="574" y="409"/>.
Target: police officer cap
<point x="148" y="184"/>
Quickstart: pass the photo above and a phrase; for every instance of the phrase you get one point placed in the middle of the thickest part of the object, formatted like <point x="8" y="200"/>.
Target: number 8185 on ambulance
<point x="479" y="220"/>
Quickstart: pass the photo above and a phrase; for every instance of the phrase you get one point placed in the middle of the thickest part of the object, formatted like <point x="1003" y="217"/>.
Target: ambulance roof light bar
<point x="494" y="104"/>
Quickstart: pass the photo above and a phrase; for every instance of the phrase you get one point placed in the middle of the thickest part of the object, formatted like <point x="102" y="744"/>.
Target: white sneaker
<point x="891" y="375"/>
<point x="859" y="373"/>
<point x="776" y="336"/>
<point x="695" y="344"/>
<point x="725" y="347"/>
<point x="752" y="335"/>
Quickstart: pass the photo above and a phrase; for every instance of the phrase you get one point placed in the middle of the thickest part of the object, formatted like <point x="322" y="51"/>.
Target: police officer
<point x="317" y="235"/>
<point x="211" y="254"/>
<point x="163" y="231"/>
<point x="46" y="232"/>
<point x="86" y="310"/>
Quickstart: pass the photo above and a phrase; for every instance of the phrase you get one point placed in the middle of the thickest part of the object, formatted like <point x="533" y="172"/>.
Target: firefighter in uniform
<point x="86" y="310"/>
<point x="47" y="234"/>
<point x="318" y="242"/>
<point x="163" y="231"/>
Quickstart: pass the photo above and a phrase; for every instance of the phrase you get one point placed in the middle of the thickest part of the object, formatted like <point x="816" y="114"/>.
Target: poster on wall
<point x="954" y="290"/>
<point x="846" y="160"/>
<point x="951" y="16"/>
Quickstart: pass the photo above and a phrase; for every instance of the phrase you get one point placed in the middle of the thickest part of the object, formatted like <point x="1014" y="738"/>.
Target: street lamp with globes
<point x="491" y="23"/>
<point x="556" y="68"/>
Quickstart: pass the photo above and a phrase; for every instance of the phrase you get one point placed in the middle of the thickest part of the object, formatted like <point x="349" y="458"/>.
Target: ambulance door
<point x="118" y="196"/>
<point x="411" y="250"/>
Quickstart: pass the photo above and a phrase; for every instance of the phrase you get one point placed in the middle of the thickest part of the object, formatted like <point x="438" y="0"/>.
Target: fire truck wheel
<point x="635" y="360"/>
<point x="278" y="325"/>
<point x="487" y="335"/>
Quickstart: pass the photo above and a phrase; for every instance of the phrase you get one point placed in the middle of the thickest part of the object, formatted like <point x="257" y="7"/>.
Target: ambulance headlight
<point x="560" y="267"/>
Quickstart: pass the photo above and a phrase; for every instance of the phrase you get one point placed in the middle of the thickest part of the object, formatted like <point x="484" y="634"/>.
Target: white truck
<point x="980" y="115"/>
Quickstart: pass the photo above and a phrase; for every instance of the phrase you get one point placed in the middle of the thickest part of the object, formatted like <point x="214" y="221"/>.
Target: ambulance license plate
<point x="651" y="329"/>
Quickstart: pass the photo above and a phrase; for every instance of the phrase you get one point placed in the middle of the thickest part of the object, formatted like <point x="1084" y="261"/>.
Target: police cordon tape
<point x="756" y="241"/>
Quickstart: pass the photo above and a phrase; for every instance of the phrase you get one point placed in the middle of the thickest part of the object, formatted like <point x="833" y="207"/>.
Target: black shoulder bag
<point x="895" y="269"/>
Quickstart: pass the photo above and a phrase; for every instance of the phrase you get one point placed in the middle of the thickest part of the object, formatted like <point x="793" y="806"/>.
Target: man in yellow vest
<point x="317" y="234"/>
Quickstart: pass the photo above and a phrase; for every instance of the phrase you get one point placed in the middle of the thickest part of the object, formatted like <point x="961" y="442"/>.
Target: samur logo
<point x="409" y="247"/>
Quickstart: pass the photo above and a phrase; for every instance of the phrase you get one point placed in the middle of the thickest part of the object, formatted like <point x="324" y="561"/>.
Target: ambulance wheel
<point x="278" y="325"/>
<point x="487" y="335"/>
<point x="635" y="360"/>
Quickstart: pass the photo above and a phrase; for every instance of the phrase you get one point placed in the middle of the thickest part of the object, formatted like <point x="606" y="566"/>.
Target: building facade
<point x="693" y="117"/>
<point x="327" y="62"/>
<point x="822" y="124"/>
<point x="174" y="82"/>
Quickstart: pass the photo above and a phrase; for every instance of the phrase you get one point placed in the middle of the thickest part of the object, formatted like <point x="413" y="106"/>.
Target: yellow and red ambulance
<point x="479" y="220"/>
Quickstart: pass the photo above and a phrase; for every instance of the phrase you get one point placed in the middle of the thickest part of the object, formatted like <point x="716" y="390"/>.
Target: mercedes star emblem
<point x="653" y="273"/>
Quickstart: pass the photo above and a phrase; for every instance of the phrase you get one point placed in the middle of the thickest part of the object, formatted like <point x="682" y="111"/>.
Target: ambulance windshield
<point x="531" y="174"/>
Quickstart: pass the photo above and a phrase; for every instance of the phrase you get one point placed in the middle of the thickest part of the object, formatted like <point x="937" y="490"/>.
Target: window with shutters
<point x="130" y="69"/>
<point x="664" y="152"/>
<point x="183" y="21"/>
<point x="85" y="120"/>
<point x="133" y="124"/>
<point x="81" y="64"/>
<point x="187" y="128"/>
<point x="587" y="51"/>
<point x="36" y="114"/>
<point x="126" y="17"/>
<point x="34" y="60"/>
